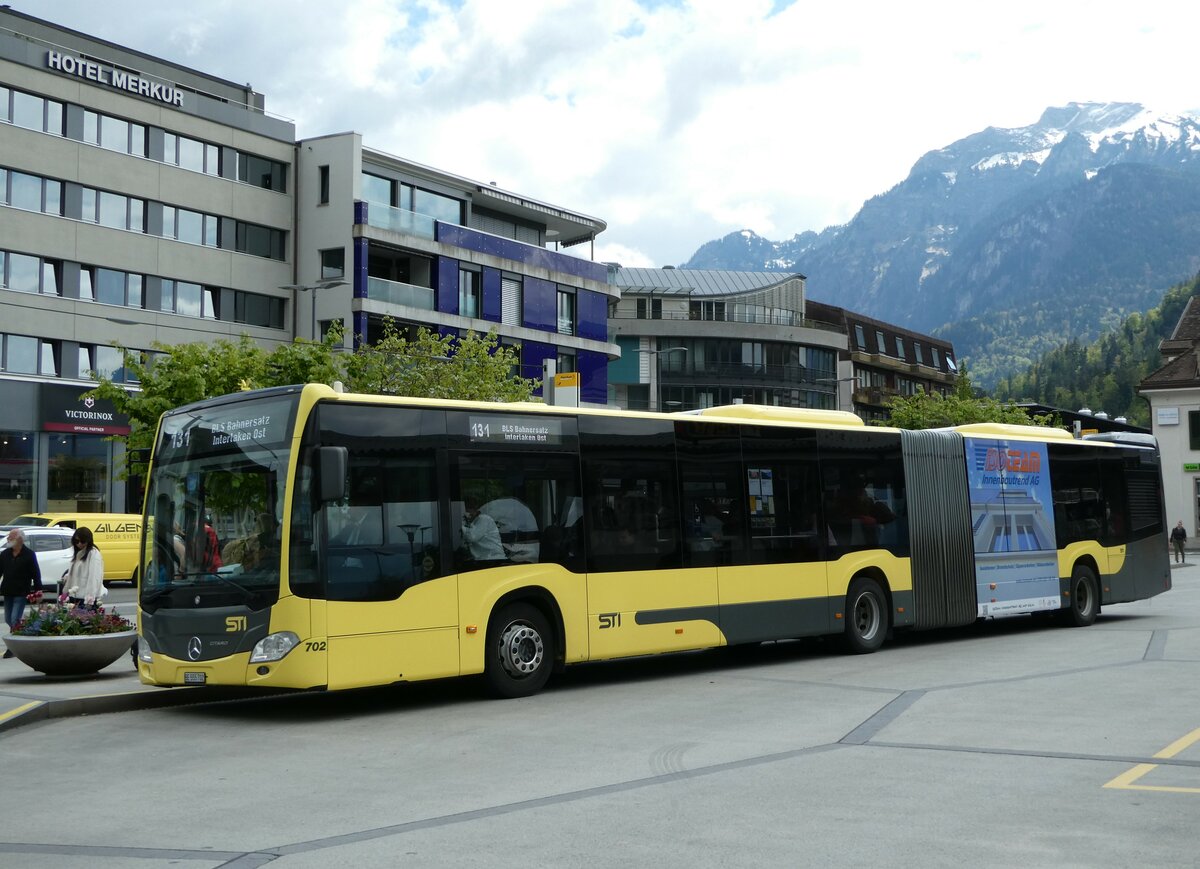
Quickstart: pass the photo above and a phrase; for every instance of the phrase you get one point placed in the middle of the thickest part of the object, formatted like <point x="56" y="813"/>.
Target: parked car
<point x="52" y="546"/>
<point x="118" y="536"/>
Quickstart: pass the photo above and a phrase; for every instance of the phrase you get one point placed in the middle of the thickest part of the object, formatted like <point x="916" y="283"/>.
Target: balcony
<point x="396" y="293"/>
<point x="874" y="396"/>
<point x="761" y="317"/>
<point x="399" y="220"/>
<point x="456" y="235"/>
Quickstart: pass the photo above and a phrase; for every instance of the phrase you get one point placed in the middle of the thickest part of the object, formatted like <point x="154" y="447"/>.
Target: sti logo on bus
<point x="1015" y="461"/>
<point x="609" y="620"/>
<point x="234" y="624"/>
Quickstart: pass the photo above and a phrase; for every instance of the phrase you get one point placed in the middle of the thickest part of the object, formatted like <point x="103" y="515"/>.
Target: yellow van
<point x="118" y="536"/>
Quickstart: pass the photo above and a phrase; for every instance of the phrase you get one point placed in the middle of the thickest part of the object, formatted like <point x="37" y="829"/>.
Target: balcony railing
<point x="396" y="293"/>
<point x="713" y="371"/>
<point x="399" y="220"/>
<point x="775" y="318"/>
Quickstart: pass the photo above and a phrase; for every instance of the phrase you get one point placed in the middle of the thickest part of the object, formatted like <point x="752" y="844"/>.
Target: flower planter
<point x="70" y="655"/>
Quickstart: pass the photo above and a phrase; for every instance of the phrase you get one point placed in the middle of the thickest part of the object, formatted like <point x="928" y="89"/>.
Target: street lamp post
<point x="658" y="354"/>
<point x="837" y="381"/>
<point x="311" y="288"/>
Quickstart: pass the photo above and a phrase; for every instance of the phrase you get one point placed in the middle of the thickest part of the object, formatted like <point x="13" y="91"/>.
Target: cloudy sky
<point x="676" y="121"/>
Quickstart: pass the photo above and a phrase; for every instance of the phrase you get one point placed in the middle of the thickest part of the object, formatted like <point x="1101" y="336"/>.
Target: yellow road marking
<point x="20" y="710"/>
<point x="1125" y="781"/>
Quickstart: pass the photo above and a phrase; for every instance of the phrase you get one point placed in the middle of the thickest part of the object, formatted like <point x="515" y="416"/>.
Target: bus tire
<point x="520" y="651"/>
<point x="866" y="616"/>
<point x="134" y="579"/>
<point x="1084" y="604"/>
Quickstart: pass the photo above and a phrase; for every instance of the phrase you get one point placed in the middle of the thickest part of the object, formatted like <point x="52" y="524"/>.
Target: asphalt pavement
<point x="27" y="696"/>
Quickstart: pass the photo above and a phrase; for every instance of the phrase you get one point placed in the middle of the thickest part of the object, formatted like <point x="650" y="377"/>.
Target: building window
<point x="191" y="154"/>
<point x="254" y="309"/>
<point x="434" y="205"/>
<point x="29" y="274"/>
<point x="113" y="210"/>
<point x="31" y="192"/>
<point x="333" y="263"/>
<point x="860" y="337"/>
<point x="468" y="293"/>
<point x="378" y="189"/>
<point x="323" y="185"/>
<point x="880" y="343"/>
<point x="566" y="312"/>
<point x="565" y="363"/>
<point x="23" y="354"/>
<point x="511" y="292"/>
<point x="920" y="357"/>
<point x="1194" y="430"/>
<point x="706" y="311"/>
<point x="899" y="348"/>
<point x="188" y="299"/>
<point x="649" y="309"/>
<point x="110" y="363"/>
<point x="260" y="241"/>
<point x="33" y="112"/>
<point x="937" y="359"/>
<point x="264" y="173"/>
<point x="114" y="287"/>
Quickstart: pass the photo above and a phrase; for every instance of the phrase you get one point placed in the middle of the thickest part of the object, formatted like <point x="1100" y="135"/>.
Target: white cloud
<point x="674" y="122"/>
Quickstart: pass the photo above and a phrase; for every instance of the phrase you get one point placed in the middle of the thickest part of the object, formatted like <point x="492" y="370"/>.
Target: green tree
<point x="963" y="406"/>
<point x="474" y="367"/>
<point x="177" y="375"/>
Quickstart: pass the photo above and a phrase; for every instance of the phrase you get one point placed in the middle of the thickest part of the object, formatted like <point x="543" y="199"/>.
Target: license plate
<point x="195" y="678"/>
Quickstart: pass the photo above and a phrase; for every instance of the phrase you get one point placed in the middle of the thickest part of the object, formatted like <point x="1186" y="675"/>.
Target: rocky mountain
<point x="1012" y="241"/>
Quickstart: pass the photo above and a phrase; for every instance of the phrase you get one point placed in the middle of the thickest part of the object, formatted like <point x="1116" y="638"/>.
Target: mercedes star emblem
<point x="194" y="648"/>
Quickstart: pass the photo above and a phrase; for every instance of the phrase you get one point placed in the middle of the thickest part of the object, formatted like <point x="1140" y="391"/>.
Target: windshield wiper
<point x="212" y="574"/>
<point x="152" y="596"/>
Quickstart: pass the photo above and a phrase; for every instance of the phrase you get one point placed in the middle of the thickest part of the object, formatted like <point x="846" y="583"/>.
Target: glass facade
<point x="78" y="474"/>
<point x="18" y="472"/>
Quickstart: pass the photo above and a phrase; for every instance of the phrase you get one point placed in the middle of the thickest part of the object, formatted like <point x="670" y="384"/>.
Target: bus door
<point x="772" y="577"/>
<point x="392" y="603"/>
<point x="641" y="597"/>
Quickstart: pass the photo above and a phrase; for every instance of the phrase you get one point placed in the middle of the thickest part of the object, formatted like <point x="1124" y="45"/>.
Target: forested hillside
<point x="1104" y="375"/>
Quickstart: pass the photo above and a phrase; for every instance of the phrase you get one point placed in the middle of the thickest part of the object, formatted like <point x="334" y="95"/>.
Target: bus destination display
<point x="505" y="429"/>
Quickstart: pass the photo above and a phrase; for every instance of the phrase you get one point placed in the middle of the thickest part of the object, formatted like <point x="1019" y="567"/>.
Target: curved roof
<point x="697" y="282"/>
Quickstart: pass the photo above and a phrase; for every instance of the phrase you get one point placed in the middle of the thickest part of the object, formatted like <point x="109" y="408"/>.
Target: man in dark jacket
<point x="1178" y="541"/>
<point x="19" y="575"/>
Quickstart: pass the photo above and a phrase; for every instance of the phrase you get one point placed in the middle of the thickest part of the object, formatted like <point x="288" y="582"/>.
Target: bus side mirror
<point x="331" y="472"/>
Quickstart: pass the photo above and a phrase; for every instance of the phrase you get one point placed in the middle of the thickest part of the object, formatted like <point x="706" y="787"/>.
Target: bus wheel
<point x="866" y="616"/>
<point x="133" y="579"/>
<point x="1085" y="598"/>
<point x="520" y="651"/>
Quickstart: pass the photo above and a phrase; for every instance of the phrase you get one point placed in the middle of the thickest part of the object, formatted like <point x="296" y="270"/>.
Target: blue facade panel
<point x="530" y="255"/>
<point x="359" y="277"/>
<point x="446" y="288"/>
<point x="591" y="314"/>
<point x="541" y="304"/>
<point x="491" y="295"/>
<point x="360" y="212"/>
<point x="593" y="376"/>
<point x="533" y="355"/>
<point x="358" y="328"/>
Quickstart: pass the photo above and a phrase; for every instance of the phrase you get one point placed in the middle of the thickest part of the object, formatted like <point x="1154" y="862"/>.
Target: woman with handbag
<point x="84" y="579"/>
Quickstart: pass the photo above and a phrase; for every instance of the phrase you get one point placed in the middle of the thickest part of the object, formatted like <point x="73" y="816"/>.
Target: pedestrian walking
<point x="1178" y="539"/>
<point x="19" y="575"/>
<point x="85" y="577"/>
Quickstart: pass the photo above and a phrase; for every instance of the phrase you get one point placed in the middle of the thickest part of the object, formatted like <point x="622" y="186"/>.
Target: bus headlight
<point x="274" y="647"/>
<point x="144" y="651"/>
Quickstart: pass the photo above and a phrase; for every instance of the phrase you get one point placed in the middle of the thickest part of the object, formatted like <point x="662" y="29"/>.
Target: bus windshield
<point x="215" y="502"/>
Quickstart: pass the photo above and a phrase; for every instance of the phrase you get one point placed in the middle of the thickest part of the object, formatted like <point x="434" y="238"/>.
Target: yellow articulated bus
<point x="301" y="537"/>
